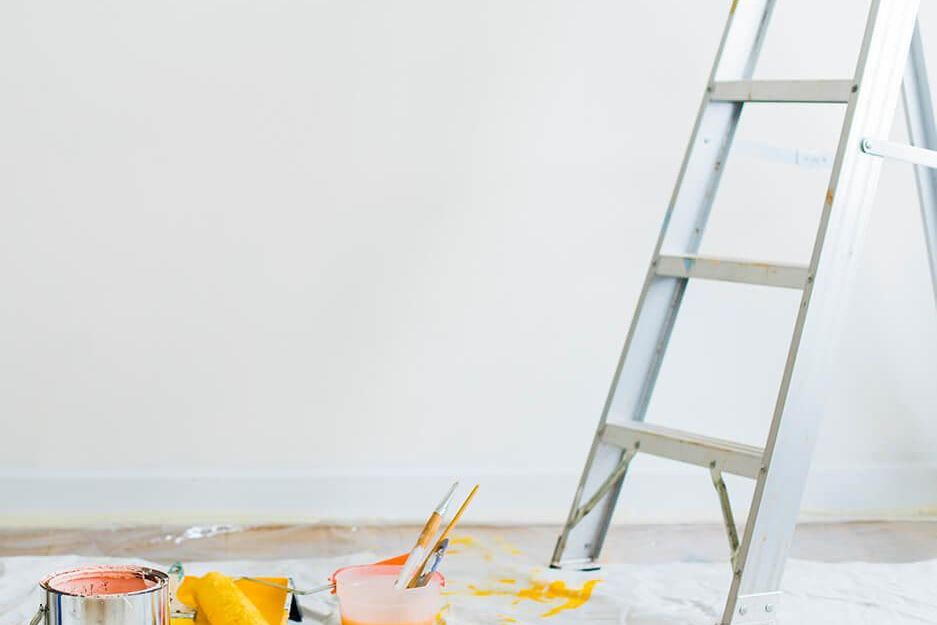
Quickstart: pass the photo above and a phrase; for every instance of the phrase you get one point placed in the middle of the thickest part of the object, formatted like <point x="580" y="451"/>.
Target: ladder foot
<point x="584" y="568"/>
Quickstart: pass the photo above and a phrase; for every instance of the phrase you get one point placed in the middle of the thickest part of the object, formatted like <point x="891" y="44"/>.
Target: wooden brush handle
<point x="429" y="530"/>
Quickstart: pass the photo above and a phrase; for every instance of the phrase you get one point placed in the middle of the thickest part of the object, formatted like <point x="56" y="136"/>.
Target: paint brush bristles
<point x="411" y="582"/>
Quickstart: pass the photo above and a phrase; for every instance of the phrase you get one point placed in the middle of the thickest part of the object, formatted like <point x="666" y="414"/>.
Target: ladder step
<point x="728" y="270"/>
<point x="729" y="457"/>
<point x="816" y="91"/>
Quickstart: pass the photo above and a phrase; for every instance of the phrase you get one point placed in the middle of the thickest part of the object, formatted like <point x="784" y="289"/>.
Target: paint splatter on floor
<point x="466" y="540"/>
<point x="544" y="592"/>
<point x="504" y="583"/>
<point x="458" y="544"/>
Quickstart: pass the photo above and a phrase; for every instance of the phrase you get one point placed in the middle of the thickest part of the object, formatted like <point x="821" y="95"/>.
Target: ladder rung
<point x="745" y="271"/>
<point x="729" y="457"/>
<point x="817" y="91"/>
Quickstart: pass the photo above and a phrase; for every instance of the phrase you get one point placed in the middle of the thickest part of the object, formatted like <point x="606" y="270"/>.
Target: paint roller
<point x="220" y="602"/>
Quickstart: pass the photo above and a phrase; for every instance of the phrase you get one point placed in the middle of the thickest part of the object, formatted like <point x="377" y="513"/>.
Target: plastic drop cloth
<point x="491" y="582"/>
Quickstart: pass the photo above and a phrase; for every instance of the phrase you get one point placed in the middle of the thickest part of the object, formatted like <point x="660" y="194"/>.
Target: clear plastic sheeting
<point x="637" y="544"/>
<point x="678" y="593"/>
<point x="494" y="580"/>
<point x="168" y="544"/>
<point x="196" y="532"/>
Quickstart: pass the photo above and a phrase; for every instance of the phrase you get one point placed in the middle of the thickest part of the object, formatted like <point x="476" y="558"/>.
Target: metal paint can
<point x="104" y="595"/>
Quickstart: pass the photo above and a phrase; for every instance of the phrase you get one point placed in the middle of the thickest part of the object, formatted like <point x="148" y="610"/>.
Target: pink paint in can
<point x="104" y="595"/>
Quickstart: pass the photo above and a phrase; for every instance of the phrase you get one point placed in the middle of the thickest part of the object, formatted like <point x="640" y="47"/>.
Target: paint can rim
<point x="160" y="580"/>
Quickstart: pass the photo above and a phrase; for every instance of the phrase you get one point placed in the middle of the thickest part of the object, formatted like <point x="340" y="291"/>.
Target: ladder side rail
<point x="795" y="423"/>
<point x="660" y="297"/>
<point x="919" y="115"/>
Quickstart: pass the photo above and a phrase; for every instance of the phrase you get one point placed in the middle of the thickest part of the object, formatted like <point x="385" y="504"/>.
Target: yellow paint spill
<point x="507" y="580"/>
<point x="465" y="541"/>
<point x="575" y="598"/>
<point x="441" y="615"/>
<point x="543" y="592"/>
<point x="461" y="541"/>
<point x="507" y="619"/>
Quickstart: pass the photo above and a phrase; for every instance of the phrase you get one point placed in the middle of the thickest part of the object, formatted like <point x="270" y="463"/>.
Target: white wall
<point x="308" y="259"/>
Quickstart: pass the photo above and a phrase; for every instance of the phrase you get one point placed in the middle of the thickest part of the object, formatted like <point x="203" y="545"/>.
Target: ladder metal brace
<point x="606" y="486"/>
<point x="732" y="533"/>
<point x="900" y="152"/>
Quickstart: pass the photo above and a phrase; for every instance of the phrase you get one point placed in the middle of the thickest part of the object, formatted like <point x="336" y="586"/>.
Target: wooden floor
<point x="831" y="542"/>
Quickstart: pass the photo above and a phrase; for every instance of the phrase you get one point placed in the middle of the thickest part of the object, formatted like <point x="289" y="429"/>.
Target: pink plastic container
<point x="366" y="596"/>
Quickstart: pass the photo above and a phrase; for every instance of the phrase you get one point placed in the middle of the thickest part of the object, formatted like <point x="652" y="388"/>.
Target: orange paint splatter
<point x="507" y="619"/>
<point x="543" y="592"/>
<point x="507" y="580"/>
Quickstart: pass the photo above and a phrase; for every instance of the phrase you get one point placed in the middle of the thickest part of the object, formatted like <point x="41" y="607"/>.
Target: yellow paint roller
<point x="221" y="602"/>
<point x="270" y="596"/>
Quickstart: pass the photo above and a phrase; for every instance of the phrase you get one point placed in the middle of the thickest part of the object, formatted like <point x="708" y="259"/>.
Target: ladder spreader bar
<point x="900" y="152"/>
<point x="810" y="91"/>
<point x="730" y="270"/>
<point x="727" y="456"/>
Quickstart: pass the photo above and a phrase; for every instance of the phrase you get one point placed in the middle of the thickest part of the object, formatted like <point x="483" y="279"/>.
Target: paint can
<point x="104" y="595"/>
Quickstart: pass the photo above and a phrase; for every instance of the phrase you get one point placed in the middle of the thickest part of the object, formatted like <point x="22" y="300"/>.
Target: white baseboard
<point x="57" y="499"/>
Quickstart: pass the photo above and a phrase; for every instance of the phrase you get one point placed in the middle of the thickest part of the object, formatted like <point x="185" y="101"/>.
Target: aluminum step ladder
<point x="891" y="54"/>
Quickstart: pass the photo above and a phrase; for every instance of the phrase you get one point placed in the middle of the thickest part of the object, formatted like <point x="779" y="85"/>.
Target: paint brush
<point x="442" y="537"/>
<point x="421" y="548"/>
<point x="427" y="571"/>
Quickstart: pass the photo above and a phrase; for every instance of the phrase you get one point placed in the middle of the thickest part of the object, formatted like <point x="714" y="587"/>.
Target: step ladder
<point x="890" y="55"/>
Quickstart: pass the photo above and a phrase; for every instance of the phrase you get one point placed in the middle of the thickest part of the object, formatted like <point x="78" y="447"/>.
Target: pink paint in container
<point x="96" y="581"/>
<point x="366" y="596"/>
<point x="104" y="595"/>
